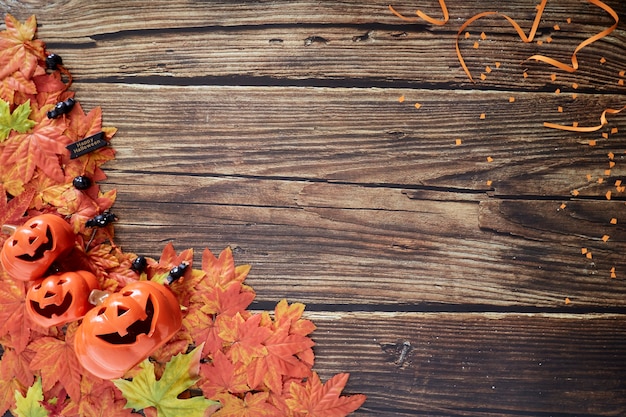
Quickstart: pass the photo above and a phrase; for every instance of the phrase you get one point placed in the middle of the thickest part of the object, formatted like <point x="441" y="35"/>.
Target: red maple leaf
<point x="245" y="336"/>
<point x="314" y="399"/>
<point x="221" y="271"/>
<point x="99" y="398"/>
<point x="56" y="360"/>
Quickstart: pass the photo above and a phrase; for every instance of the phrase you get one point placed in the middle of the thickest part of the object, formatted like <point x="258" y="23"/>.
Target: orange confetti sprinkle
<point x="611" y="155"/>
<point x="589" y="255"/>
<point x="583" y="250"/>
<point x="620" y="82"/>
<point x="607" y="172"/>
<point x="592" y="142"/>
<point x="553" y="77"/>
<point x="539" y="42"/>
<point x="562" y="206"/>
<point x="567" y="300"/>
<point x="498" y="64"/>
<point x="467" y="35"/>
<point x="458" y="142"/>
<point x="588" y="177"/>
<point x="557" y="91"/>
<point x="418" y="105"/>
<point x="614" y="130"/>
<point x="605" y="238"/>
<point x="489" y="182"/>
<point x="401" y="98"/>
<point x="611" y="164"/>
<point x="575" y="124"/>
<point x="613" y="220"/>
<point x="476" y="45"/>
<point x="608" y="195"/>
<point x="556" y="27"/>
<point x="621" y="189"/>
<point x="602" y="60"/>
<point x="574" y="96"/>
<point x="560" y="109"/>
<point x="483" y="115"/>
<point x="511" y="99"/>
<point x="600" y="180"/>
<point x="489" y="159"/>
<point x="483" y="77"/>
<point x="575" y="193"/>
<point x="525" y="74"/>
<point x="569" y="20"/>
<point x="549" y="39"/>
<point x="574" y="86"/>
<point x="613" y="274"/>
<point x="605" y="135"/>
<point x="488" y="69"/>
<point x="483" y="36"/>
<point x="622" y="73"/>
<point x="618" y="183"/>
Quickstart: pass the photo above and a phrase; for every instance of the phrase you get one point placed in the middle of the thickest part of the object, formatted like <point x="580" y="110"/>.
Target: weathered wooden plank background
<point x="438" y="279"/>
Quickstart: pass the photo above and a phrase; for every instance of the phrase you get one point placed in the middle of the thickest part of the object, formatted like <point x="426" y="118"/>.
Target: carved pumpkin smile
<point x="52" y="310"/>
<point x="135" y="329"/>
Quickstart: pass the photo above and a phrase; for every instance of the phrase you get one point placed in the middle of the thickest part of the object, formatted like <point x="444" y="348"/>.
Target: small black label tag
<point x="86" y="145"/>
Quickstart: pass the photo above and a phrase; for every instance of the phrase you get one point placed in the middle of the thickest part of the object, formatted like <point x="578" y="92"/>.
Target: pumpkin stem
<point x="97" y="297"/>
<point x="8" y="229"/>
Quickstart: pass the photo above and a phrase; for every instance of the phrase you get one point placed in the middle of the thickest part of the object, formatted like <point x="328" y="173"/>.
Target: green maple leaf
<point x="17" y="121"/>
<point x="30" y="406"/>
<point x="180" y="373"/>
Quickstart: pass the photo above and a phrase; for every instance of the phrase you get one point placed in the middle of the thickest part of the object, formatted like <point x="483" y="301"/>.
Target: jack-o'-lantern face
<point x="60" y="298"/>
<point x="127" y="328"/>
<point x="34" y="246"/>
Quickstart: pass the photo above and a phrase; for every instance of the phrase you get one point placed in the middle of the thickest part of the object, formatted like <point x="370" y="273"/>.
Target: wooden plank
<point x="365" y="136"/>
<point x="374" y="246"/>
<point x="477" y="364"/>
<point x="263" y="43"/>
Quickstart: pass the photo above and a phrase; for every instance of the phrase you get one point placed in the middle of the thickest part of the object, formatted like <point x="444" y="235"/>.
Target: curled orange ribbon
<point x="584" y="43"/>
<point x="424" y="16"/>
<point x="603" y="122"/>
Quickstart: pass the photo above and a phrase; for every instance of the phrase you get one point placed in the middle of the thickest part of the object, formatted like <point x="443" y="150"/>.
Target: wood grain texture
<point x="275" y="127"/>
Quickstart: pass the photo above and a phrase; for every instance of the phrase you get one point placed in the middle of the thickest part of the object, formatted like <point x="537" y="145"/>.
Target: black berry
<point x="81" y="182"/>
<point x="53" y="60"/>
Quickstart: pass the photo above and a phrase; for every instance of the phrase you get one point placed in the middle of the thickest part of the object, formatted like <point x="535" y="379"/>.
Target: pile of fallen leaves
<point x="253" y="364"/>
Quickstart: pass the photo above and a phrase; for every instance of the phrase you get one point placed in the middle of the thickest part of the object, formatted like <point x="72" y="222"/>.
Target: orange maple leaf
<point x="39" y="148"/>
<point x="314" y="399"/>
<point x="222" y="270"/>
<point x="222" y="376"/>
<point x="56" y="360"/>
<point x="19" y="55"/>
<point x="99" y="398"/>
<point x="245" y="336"/>
<point x="203" y="329"/>
<point x="251" y="405"/>
<point x="13" y="320"/>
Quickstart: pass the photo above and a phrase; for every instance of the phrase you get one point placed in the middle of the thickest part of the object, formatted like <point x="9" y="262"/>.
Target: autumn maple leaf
<point x="251" y="405"/>
<point x="19" y="55"/>
<point x="314" y="399"/>
<point x="39" y="148"/>
<point x="13" y="320"/>
<point x="18" y="50"/>
<point x="180" y="374"/>
<point x="99" y="398"/>
<point x="56" y="360"/>
<point x="221" y="376"/>
<point x="222" y="270"/>
<point x="17" y="121"/>
<point x="245" y="336"/>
